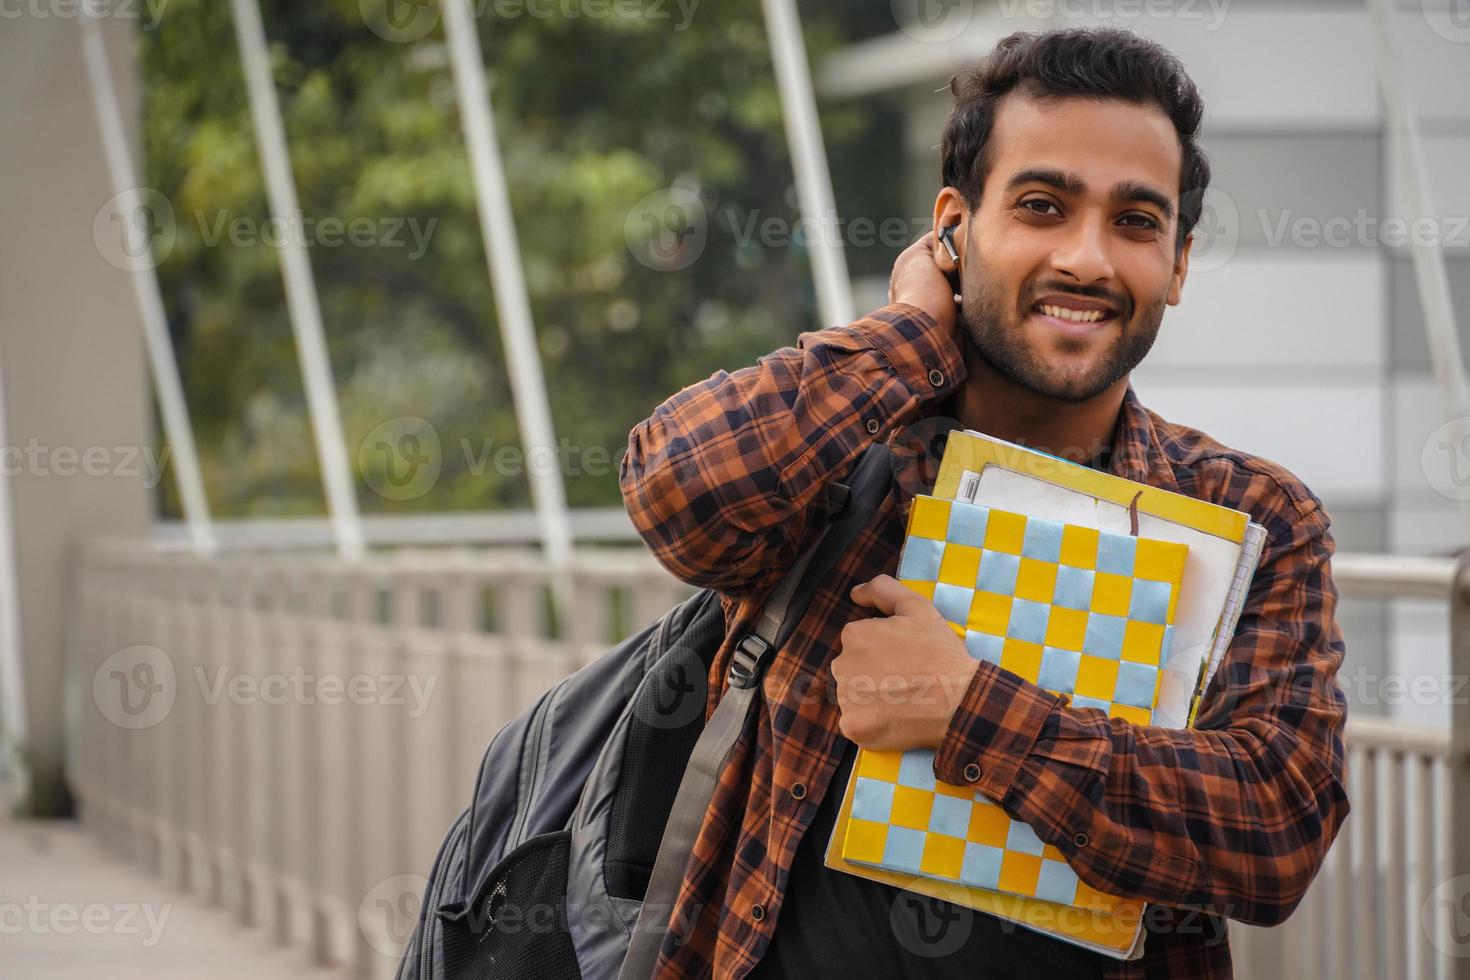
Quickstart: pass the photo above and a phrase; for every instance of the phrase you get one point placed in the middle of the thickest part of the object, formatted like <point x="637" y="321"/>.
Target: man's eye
<point x="1147" y="221"/>
<point x="1037" y="200"/>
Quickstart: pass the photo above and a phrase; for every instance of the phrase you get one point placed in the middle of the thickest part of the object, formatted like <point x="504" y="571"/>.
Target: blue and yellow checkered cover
<point x="1081" y="612"/>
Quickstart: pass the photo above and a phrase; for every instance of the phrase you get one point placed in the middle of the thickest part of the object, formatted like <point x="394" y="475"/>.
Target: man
<point x="1072" y="181"/>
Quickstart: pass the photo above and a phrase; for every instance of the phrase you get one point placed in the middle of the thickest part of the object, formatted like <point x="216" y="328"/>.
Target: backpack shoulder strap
<point x="859" y="499"/>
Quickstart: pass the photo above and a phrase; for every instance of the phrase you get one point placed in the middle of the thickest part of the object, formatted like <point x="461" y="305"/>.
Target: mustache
<point x="1118" y="303"/>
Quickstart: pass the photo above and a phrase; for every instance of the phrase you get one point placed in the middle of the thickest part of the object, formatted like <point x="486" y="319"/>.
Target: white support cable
<point x="14" y="723"/>
<point x="301" y="295"/>
<point x="809" y="160"/>
<point x="512" y="303"/>
<point x="1429" y="266"/>
<point x="128" y="200"/>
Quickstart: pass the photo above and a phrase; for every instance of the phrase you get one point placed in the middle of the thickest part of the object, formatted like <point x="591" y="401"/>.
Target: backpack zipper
<point x="533" y="765"/>
<point x="431" y="899"/>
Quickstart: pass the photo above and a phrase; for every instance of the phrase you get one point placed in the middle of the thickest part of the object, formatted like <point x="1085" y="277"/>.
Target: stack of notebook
<point x="1121" y="596"/>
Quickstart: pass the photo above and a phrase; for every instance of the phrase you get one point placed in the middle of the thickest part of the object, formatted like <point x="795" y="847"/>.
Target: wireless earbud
<point x="946" y="235"/>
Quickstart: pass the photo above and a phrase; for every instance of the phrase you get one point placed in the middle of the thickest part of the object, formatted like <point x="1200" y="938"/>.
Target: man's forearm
<point x="1237" y="818"/>
<point x="721" y="479"/>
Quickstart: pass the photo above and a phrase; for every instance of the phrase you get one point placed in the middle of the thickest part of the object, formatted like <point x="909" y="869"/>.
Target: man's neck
<point x="990" y="403"/>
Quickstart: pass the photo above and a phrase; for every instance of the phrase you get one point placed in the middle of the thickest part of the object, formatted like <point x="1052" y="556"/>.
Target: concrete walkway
<point x="70" y="911"/>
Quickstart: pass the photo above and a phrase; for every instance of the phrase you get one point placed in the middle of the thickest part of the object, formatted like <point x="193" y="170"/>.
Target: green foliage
<point x="593" y="115"/>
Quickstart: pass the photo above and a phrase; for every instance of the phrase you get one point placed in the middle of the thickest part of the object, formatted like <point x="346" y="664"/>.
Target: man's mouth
<point x="1073" y="315"/>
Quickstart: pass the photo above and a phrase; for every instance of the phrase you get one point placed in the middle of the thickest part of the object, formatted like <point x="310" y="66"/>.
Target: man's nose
<point x="1083" y="254"/>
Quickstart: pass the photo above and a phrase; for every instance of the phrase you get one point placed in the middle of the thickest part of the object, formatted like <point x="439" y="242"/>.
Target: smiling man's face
<point x="1078" y="213"/>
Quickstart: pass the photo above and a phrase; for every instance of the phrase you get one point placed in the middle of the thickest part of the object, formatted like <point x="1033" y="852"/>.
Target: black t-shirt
<point x="834" y="924"/>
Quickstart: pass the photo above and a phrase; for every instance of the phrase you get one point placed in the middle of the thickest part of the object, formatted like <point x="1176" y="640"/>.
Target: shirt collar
<point x="1136" y="454"/>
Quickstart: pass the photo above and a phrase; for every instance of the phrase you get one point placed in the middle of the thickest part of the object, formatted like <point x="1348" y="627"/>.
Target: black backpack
<point x="587" y="803"/>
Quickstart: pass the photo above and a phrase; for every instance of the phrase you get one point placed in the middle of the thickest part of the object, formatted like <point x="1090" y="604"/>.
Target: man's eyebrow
<point x="1123" y="192"/>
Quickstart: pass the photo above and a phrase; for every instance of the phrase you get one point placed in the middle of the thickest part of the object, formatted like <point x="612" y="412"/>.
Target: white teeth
<point x="1076" y="316"/>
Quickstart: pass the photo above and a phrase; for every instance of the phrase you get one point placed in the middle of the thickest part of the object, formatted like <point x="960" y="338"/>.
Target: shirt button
<point x="936" y="377"/>
<point x="972" y="773"/>
<point x="798" y="791"/>
<point x="873" y="427"/>
<point x="758" y="912"/>
<point x="1081" y="839"/>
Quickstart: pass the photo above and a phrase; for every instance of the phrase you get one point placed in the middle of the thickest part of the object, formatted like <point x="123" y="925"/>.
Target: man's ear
<point x="950" y="212"/>
<point x="1181" y="270"/>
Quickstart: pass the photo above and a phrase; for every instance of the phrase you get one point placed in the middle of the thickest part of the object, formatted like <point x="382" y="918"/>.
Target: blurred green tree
<point x="597" y="110"/>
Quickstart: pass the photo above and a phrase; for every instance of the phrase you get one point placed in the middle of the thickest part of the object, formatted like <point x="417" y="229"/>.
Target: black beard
<point x="1003" y="346"/>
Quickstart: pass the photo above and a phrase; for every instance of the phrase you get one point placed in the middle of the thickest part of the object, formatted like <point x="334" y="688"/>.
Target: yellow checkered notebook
<point x="1131" y="620"/>
<point x="1081" y="612"/>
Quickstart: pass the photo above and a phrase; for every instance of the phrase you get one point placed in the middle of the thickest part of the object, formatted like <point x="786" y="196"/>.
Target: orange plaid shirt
<point x="1231" y="819"/>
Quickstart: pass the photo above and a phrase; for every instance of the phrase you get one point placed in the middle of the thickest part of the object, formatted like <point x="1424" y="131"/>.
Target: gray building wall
<point x="73" y="374"/>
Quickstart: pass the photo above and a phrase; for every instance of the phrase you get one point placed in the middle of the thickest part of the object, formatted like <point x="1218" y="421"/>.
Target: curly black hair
<point x="1095" y="63"/>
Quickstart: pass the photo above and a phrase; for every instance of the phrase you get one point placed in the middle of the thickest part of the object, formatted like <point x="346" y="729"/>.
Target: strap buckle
<point x="749" y="653"/>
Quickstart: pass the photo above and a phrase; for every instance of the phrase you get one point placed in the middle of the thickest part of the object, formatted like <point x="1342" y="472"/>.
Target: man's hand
<point x="919" y="280"/>
<point x="900" y="675"/>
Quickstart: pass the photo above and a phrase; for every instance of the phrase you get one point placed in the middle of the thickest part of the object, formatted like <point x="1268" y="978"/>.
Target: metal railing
<point x="288" y="736"/>
<point x="1387" y="902"/>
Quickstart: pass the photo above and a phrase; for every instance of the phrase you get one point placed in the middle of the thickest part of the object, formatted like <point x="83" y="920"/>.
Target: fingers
<point x="888" y="595"/>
